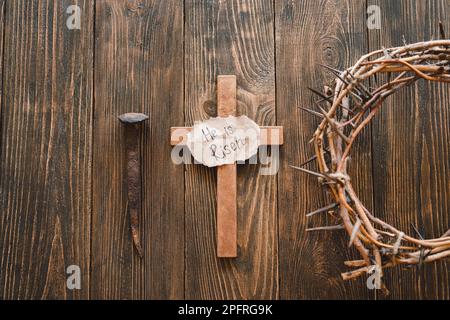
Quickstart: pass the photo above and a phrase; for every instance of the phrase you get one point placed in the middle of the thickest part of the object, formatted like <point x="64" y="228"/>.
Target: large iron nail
<point x="132" y="123"/>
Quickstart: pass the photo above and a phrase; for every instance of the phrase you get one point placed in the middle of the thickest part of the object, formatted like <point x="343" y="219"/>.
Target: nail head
<point x="132" y="118"/>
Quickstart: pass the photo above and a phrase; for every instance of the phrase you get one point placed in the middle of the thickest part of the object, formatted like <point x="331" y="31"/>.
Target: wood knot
<point x="210" y="108"/>
<point x="135" y="8"/>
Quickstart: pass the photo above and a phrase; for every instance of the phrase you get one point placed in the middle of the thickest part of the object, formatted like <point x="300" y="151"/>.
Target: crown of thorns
<point x="351" y="107"/>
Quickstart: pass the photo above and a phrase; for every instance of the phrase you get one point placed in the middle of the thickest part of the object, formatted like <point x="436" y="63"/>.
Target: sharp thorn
<point x="417" y="231"/>
<point x="315" y="113"/>
<point x="335" y="71"/>
<point x="325" y="209"/>
<point x="330" y="228"/>
<point x="312" y="159"/>
<point x="362" y="86"/>
<point x="338" y="74"/>
<point x="347" y="109"/>
<point x="327" y="99"/>
<point x="316" y="174"/>
<point x="324" y="97"/>
<point x="334" y="126"/>
<point x="318" y="93"/>
<point x="323" y="111"/>
<point x="308" y="161"/>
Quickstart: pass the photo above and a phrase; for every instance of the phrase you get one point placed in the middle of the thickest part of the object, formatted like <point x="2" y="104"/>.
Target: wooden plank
<point x="139" y="68"/>
<point x="309" y="33"/>
<point x="2" y="35"/>
<point x="164" y="181"/>
<point x="269" y="136"/>
<point x="226" y="177"/>
<point x="45" y="166"/>
<point x="225" y="37"/>
<point x="411" y="149"/>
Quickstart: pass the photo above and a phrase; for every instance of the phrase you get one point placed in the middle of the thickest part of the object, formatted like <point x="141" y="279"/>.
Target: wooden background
<point x="62" y="182"/>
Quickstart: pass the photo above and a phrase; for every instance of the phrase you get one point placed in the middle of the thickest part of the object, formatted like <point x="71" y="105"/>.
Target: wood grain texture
<point x="230" y="37"/>
<point x="309" y="33"/>
<point x="2" y="36"/>
<point x="139" y="68"/>
<point x="45" y="166"/>
<point x="62" y="155"/>
<point x="411" y="147"/>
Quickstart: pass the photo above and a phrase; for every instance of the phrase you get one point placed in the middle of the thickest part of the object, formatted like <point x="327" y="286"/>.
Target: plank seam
<point x="184" y="166"/>
<point x="274" y="9"/>
<point x="372" y="162"/>
<point x="94" y="26"/>
<point x="3" y="35"/>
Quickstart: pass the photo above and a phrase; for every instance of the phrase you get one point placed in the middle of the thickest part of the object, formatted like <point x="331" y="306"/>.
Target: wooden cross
<point x="226" y="174"/>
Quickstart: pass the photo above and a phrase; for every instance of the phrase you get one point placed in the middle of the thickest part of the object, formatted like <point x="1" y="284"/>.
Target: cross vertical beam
<point x="226" y="177"/>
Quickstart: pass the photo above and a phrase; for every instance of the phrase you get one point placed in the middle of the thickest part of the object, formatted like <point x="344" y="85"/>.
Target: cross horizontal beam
<point x="269" y="136"/>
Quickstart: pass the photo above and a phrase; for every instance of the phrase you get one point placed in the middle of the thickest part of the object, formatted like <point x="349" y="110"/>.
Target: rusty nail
<point x="132" y="123"/>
